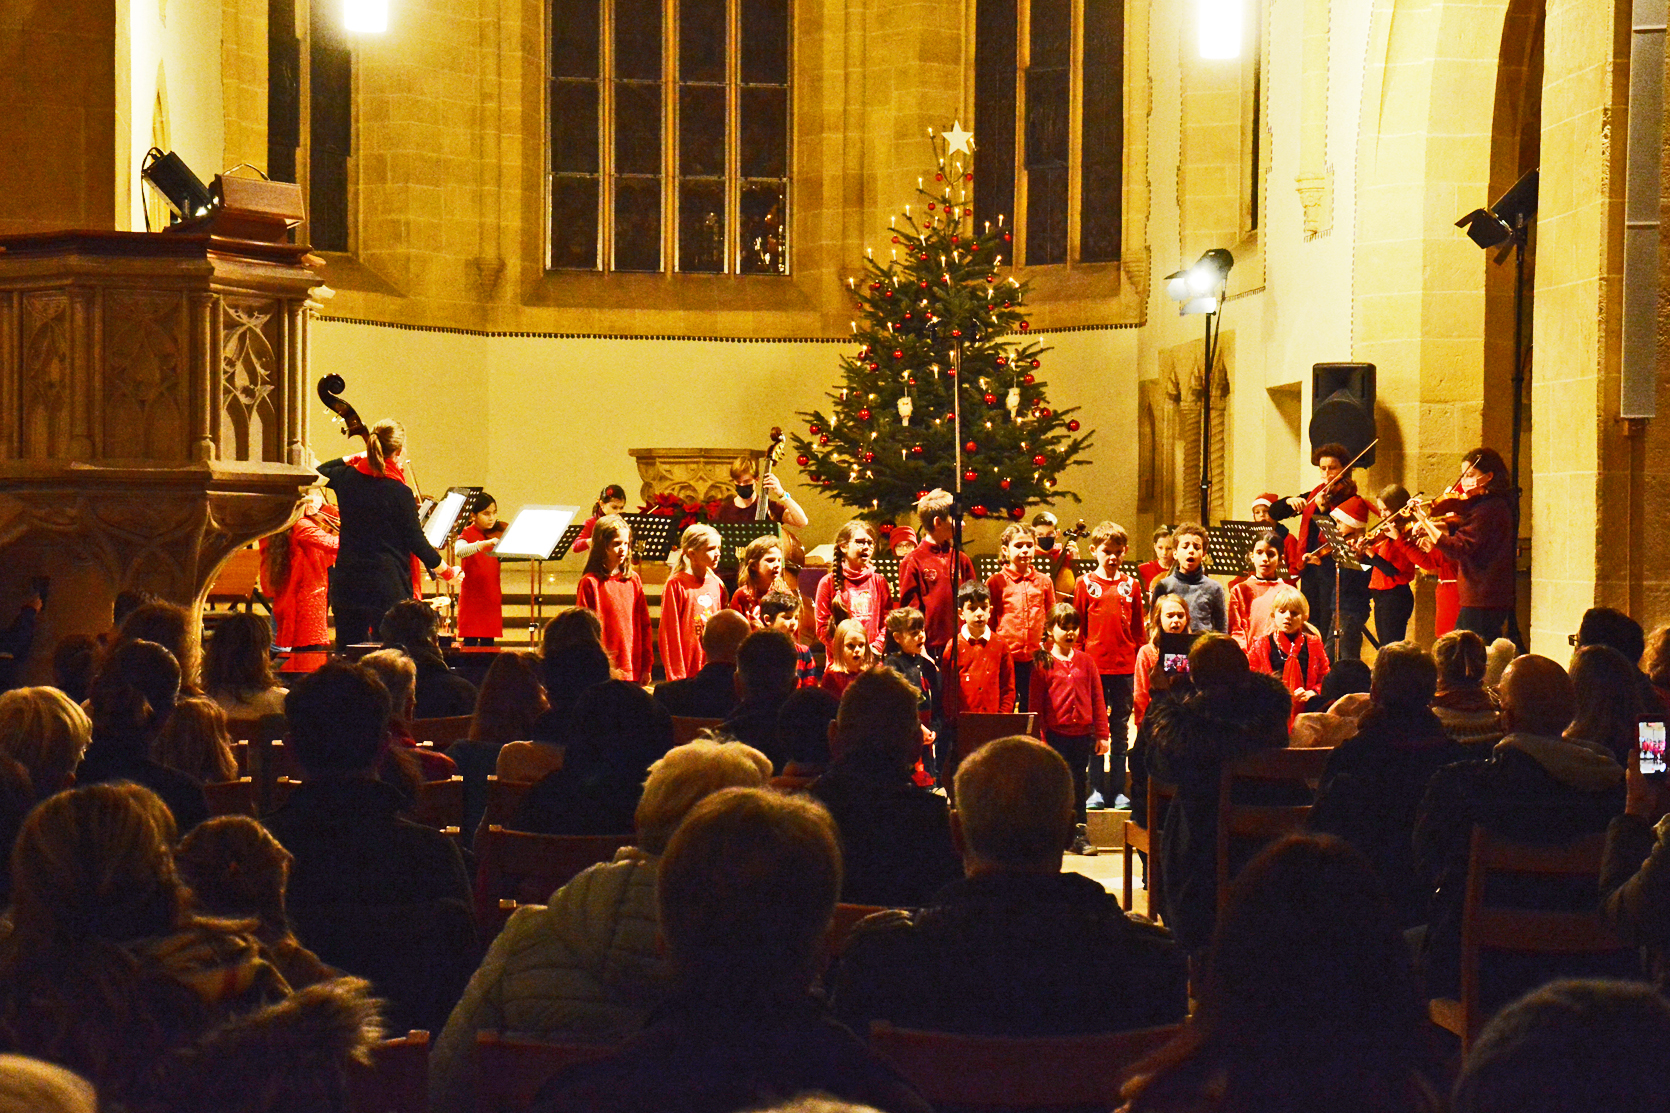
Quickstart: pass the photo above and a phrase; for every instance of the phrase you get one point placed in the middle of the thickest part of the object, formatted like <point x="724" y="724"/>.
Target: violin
<point x="329" y="519"/>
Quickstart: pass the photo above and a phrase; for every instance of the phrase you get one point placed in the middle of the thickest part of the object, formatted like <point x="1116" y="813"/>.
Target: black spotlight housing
<point x="184" y="191"/>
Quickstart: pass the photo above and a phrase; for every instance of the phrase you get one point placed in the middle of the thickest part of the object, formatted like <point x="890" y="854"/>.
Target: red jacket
<point x="985" y="680"/>
<point x="1110" y="613"/>
<point x="865" y="595"/>
<point x="686" y="605"/>
<point x="925" y="583"/>
<point x="1401" y="555"/>
<point x="1315" y="655"/>
<point x="480" y="598"/>
<point x="1067" y="695"/>
<point x="1249" y="609"/>
<point x="1020" y="609"/>
<point x="619" y="603"/>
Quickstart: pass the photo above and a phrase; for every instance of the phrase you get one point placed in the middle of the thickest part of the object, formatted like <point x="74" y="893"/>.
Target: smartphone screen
<point x="1649" y="737"/>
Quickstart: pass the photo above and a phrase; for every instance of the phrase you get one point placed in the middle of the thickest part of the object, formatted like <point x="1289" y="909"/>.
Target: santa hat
<point x="1266" y="499"/>
<point x="1353" y="512"/>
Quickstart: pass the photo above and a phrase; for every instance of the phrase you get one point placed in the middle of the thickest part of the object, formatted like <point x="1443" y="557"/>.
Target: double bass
<point x="794" y="553"/>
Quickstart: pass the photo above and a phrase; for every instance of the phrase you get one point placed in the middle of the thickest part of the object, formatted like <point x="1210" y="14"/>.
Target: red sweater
<point x="1110" y="611"/>
<point x="865" y="595"/>
<point x="1020" y="608"/>
<point x="1249" y="609"/>
<point x="1142" y="677"/>
<point x="925" y="583"/>
<point x="619" y="603"/>
<point x="1067" y="695"/>
<point x="686" y="605"/>
<point x="1401" y="555"/>
<point x="985" y="680"/>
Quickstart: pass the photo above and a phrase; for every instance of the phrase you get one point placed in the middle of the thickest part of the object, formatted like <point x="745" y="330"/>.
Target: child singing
<point x="925" y="574"/>
<point x="849" y="655"/>
<point x="1109" y="604"/>
<point x="692" y="596"/>
<point x="1188" y="579"/>
<point x="761" y="573"/>
<point x="1067" y="695"/>
<point x="906" y="638"/>
<point x="480" y="601"/>
<point x="611" y="590"/>
<point x="1168" y="615"/>
<point x="1250" y="597"/>
<point x="853" y="587"/>
<point x="612" y="500"/>
<point x="780" y="610"/>
<point x="1021" y="600"/>
<point x="1292" y="652"/>
<point x="1292" y="553"/>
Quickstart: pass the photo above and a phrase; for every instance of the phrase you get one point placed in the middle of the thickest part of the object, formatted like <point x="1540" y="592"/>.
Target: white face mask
<point x="1471" y="482"/>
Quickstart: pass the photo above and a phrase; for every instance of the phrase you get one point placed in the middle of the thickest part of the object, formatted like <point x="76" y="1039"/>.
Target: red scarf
<point x="1293" y="667"/>
<point x="361" y="463"/>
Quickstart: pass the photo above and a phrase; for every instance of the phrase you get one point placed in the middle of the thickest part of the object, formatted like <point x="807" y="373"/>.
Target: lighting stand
<point x="1206" y="408"/>
<point x="1521" y="232"/>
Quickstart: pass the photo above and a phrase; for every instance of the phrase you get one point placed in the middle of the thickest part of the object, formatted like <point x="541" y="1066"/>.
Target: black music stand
<point x="1228" y="545"/>
<point x="1341" y="554"/>
<point x="565" y="545"/>
<point x="735" y="536"/>
<point x="652" y="536"/>
<point x="888" y="565"/>
<point x="987" y="566"/>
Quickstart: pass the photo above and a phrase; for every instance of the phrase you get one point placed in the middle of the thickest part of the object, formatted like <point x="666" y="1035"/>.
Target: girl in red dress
<point x="611" y="590"/>
<point x="761" y="574"/>
<point x="692" y="596"/>
<point x="612" y="500"/>
<point x="297" y="562"/>
<point x="481" y="599"/>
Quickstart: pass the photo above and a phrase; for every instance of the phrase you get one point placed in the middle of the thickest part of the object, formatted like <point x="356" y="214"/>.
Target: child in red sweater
<point x="1109" y="604"/>
<point x="849" y="655"/>
<point x="925" y="574"/>
<point x="853" y="587"/>
<point x="1067" y="695"/>
<point x="1394" y="561"/>
<point x="692" y="596"/>
<point x="761" y="574"/>
<point x="480" y="597"/>
<point x="1249" y="598"/>
<point x="1168" y="615"/>
<point x="1022" y="598"/>
<point x="984" y="681"/>
<point x="1150" y="570"/>
<point x="610" y="589"/>
<point x="1292" y="652"/>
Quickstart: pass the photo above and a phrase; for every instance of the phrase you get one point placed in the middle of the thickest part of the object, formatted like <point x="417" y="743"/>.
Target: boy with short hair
<point x="1249" y="596"/>
<point x="985" y="675"/>
<point x="1022" y="597"/>
<point x="925" y="574"/>
<point x="1150" y="570"/>
<point x="781" y="611"/>
<point x="1208" y="606"/>
<point x="1109" y="603"/>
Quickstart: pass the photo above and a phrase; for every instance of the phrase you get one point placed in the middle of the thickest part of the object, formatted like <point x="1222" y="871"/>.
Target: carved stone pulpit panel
<point x="694" y="474"/>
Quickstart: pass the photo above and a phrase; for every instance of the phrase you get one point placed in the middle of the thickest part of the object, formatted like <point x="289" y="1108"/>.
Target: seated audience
<point x="370" y="892"/>
<point x="45" y="732"/>
<point x="107" y="972"/>
<point x="569" y="627"/>
<point x="895" y="834"/>
<point x="1605" y="626"/>
<point x="1655" y="662"/>
<point x="1536" y="787"/>
<point x="1471" y="713"/>
<point x="588" y="965"/>
<point x="803" y="724"/>
<point x="194" y="741"/>
<point x="616" y="732"/>
<point x="745" y="896"/>
<point x="1606" y="699"/>
<point x="238" y="667"/>
<point x="33" y="1086"/>
<point x="1635" y="874"/>
<point x="1231" y="713"/>
<point x="1374" y="780"/>
<point x="399" y="675"/>
<point x="17" y="799"/>
<point x="1308" y="1004"/>
<point x="711" y="692"/>
<point x="1338" y="708"/>
<point x="413" y="626"/>
<point x="236" y="870"/>
<point x="765" y="676"/>
<point x="1497" y="656"/>
<point x="74" y="662"/>
<point x="1571" y="1047"/>
<point x="511" y="700"/>
<point x="132" y="699"/>
<point x="567" y="672"/>
<point x="1016" y="947"/>
<point x="171" y="627"/>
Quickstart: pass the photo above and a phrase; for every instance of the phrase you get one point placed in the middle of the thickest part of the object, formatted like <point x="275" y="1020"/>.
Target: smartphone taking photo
<point x="1649" y="743"/>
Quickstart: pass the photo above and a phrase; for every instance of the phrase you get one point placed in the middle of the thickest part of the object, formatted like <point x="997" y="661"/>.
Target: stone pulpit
<point x="152" y="389"/>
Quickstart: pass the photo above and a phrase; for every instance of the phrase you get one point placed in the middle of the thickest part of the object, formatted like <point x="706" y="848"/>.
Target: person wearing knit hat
<point x="1291" y="553"/>
<point x="1351" y="515"/>
<point x="902" y="541"/>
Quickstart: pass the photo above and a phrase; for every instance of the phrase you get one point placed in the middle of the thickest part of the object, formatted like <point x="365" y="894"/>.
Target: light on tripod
<point x="1198" y="288"/>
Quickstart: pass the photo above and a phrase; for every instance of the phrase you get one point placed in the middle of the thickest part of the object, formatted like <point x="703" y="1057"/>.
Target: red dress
<point x="686" y="605"/>
<point x="619" y="604"/>
<point x="480" y="599"/>
<point x="299" y="605"/>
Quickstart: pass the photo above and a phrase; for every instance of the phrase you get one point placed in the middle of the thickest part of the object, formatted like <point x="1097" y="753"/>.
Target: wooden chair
<point x="846" y="918"/>
<point x="976" y="728"/>
<point x="440" y="803"/>
<point x="1487" y="926"/>
<point x="240" y="754"/>
<point x="1147" y="840"/>
<point x="504" y="798"/>
<point x="516" y="867"/>
<point x="687" y="729"/>
<point x="231" y="797"/>
<point x="442" y="732"/>
<point x="1262" y="822"/>
<point x="238" y="580"/>
<point x="512" y="1071"/>
<point x="1001" y="1072"/>
<point x="397" y="1079"/>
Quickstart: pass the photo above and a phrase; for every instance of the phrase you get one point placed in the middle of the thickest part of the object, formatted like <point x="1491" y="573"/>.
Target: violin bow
<point x="1343" y="472"/>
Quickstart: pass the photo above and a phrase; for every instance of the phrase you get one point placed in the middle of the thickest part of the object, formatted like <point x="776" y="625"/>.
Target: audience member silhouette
<point x="238" y="670"/>
<point x="132" y="700"/>
<point x="510" y="702"/>
<point x="413" y="626"/>
<point x="194" y="741"/>
<point x="765" y="678"/>
<point x="616" y="732"/>
<point x="711" y="692"/>
<point x="1471" y="713"/>
<point x="1606" y="700"/>
<point x="47" y="733"/>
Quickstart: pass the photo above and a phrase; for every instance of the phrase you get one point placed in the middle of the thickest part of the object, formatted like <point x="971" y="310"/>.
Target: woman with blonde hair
<point x="692" y="595"/>
<point x="45" y="732"/>
<point x="194" y="741"/>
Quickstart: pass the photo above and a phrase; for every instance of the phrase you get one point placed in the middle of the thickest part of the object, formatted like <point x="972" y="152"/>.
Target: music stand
<point x="735" y="536"/>
<point x="449" y="517"/>
<point x="1341" y="554"/>
<point x="1228" y="544"/>
<point x="566" y="544"/>
<point x="534" y="535"/>
<point x="652" y="536"/>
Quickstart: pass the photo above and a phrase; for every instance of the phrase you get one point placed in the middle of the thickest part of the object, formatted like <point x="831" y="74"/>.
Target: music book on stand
<point x="536" y="532"/>
<point x="447" y="518"/>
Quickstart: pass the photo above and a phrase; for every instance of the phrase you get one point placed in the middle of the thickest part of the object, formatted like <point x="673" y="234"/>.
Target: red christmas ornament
<point x="970" y="475"/>
<point x="1004" y="483"/>
<point x="1024" y="326"/>
<point x="823" y="440"/>
<point x="1034" y="362"/>
<point x="956" y="332"/>
<point x="1002" y="361"/>
<point x="1007" y="237"/>
<point x="827" y="482"/>
<point x="1045" y="412"/>
<point x="869" y="457"/>
<point x="1039" y="461"/>
<point x="968" y="177"/>
<point x="911" y="381"/>
<point x="1006" y="305"/>
<point x="813" y="429"/>
<point x="1017" y="512"/>
<point x="885" y="528"/>
<point x="971" y="447"/>
<point x="1028" y="380"/>
<point x="803" y="460"/>
<point x="923" y="284"/>
<point x="922" y="494"/>
<point x="1073" y="425"/>
<point x="991" y="278"/>
<point x="916" y="450"/>
<point x="930" y="206"/>
<point x="977" y="511"/>
<point x="863" y="415"/>
<point x="895" y="239"/>
<point x="907" y="314"/>
<point x="897" y="354"/>
<point x="991" y="399"/>
<point x="939" y="177"/>
<point x="890" y="293"/>
<point x="955" y="241"/>
<point x="924" y="256"/>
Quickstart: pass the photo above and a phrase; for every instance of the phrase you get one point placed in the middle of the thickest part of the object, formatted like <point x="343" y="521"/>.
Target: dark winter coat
<point x="895" y="836"/>
<point x="710" y="694"/>
<point x="1635" y="888"/>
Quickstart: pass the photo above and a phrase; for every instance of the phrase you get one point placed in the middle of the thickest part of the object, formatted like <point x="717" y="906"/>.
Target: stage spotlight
<point x="1220" y="29"/>
<point x="1501" y="222"/>
<point x="369" y="16"/>
<point x="1199" y="287"/>
<point x="171" y="177"/>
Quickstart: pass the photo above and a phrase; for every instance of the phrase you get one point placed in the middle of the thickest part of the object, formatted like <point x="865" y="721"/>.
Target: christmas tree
<point x="939" y="320"/>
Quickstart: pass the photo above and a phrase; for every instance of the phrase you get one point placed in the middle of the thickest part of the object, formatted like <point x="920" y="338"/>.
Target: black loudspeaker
<point x="1342" y="408"/>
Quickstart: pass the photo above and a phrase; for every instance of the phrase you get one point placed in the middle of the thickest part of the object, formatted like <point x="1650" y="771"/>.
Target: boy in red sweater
<point x="925" y="573"/>
<point x="1067" y="694"/>
<point x="1250" y="597"/>
<point x="1022" y="598"/>
<point x="1109" y="606"/>
<point x="983" y="680"/>
<point x="1150" y="570"/>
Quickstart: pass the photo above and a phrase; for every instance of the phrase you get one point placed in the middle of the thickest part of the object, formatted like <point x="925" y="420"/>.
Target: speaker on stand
<point x="1342" y="408"/>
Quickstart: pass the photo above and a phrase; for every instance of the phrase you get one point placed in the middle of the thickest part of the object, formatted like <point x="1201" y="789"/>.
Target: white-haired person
<point x="587" y="967"/>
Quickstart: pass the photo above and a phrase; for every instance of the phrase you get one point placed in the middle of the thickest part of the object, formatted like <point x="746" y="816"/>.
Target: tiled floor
<point x="1108" y="867"/>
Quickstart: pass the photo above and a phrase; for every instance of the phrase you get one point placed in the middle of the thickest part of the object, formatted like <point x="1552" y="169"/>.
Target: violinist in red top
<point x="611" y="590"/>
<point x="925" y="574"/>
<point x="297" y="564"/>
<point x="1067" y="694"/>
<point x="480" y="599"/>
<point x="1316" y="566"/>
<point x="1394" y="558"/>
